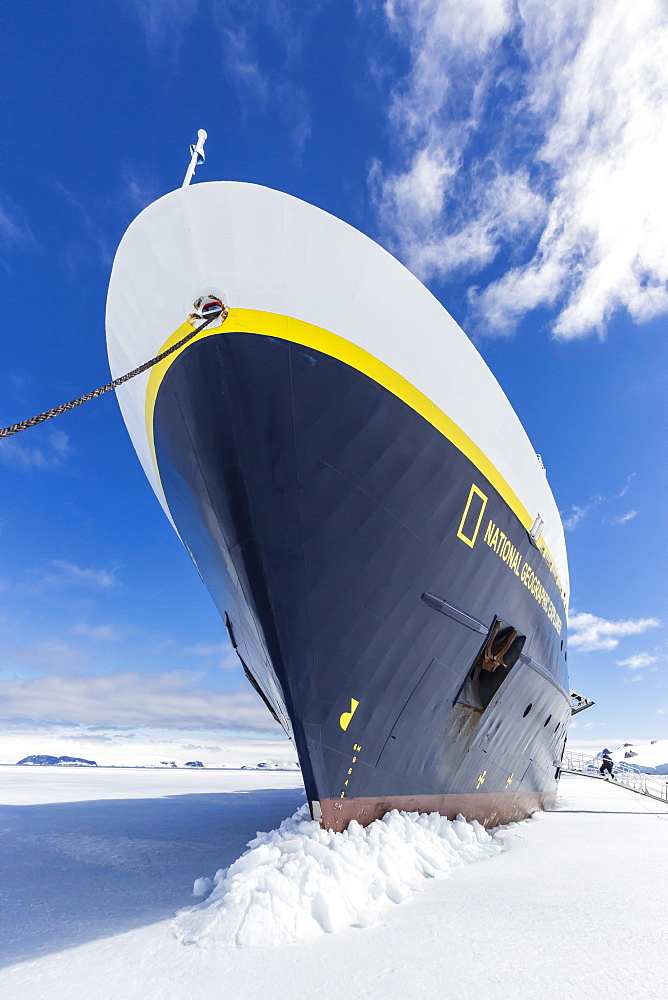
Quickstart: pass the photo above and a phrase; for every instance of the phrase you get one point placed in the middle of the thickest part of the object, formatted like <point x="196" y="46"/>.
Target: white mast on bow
<point x="196" y="157"/>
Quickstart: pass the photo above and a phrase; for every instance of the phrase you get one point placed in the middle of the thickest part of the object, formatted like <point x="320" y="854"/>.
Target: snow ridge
<point x="649" y="757"/>
<point x="300" y="882"/>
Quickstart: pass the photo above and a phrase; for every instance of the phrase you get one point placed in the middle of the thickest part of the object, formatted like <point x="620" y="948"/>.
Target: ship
<point x="358" y="496"/>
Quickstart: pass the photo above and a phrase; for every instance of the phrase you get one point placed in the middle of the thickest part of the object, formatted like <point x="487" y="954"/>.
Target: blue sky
<point x="510" y="153"/>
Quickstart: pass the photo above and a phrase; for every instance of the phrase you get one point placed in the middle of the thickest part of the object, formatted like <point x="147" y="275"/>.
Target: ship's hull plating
<point x="341" y="464"/>
<point x="319" y="508"/>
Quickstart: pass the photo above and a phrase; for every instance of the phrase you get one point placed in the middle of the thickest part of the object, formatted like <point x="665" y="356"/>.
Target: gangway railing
<point x="625" y="774"/>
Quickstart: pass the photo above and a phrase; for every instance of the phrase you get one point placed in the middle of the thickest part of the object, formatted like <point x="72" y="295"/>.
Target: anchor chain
<point x="23" y="425"/>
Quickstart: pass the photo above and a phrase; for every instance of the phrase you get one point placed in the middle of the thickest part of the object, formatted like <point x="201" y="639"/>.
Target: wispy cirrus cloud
<point x="242" y="63"/>
<point x="244" y="32"/>
<point x="14" y="228"/>
<point x="88" y="231"/>
<point x="140" y="188"/>
<point x="247" y="28"/>
<point x="534" y="132"/>
<point x="577" y="514"/>
<point x="589" y="633"/>
<point x="164" y="22"/>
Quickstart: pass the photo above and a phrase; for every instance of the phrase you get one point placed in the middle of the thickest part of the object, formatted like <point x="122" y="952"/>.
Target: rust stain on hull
<point x="490" y="809"/>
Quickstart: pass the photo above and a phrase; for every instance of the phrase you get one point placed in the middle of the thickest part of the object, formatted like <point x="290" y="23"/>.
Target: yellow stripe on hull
<point x="296" y="331"/>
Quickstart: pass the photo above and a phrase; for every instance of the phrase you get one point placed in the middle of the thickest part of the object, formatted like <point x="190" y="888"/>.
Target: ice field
<point x="96" y="863"/>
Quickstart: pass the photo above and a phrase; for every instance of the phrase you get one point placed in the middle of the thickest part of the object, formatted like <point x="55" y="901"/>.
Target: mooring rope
<point x="23" y="425"/>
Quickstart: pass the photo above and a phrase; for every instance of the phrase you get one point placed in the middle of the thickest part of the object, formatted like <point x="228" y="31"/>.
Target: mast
<point x="196" y="156"/>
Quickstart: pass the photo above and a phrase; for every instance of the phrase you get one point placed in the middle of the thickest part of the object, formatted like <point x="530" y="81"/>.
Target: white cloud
<point x="589" y="633"/>
<point x="627" y="485"/>
<point x="100" y="633"/>
<point x="574" y="129"/>
<point x="209" y="649"/>
<point x="130" y="699"/>
<point x="69" y="574"/>
<point x="638" y="661"/>
<point x="410" y="202"/>
<point x="221" y="652"/>
<point x="50" y="654"/>
<point x="60" y="443"/>
<point x="625" y="518"/>
<point x="578" y="514"/>
<point x="21" y="454"/>
<point x="434" y="112"/>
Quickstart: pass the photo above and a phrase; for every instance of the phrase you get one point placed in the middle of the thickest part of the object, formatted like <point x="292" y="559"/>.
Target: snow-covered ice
<point x="299" y="882"/>
<point x="651" y="758"/>
<point x="95" y="865"/>
<point x="86" y="853"/>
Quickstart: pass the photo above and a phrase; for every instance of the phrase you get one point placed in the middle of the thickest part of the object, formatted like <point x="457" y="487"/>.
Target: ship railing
<point x="626" y="774"/>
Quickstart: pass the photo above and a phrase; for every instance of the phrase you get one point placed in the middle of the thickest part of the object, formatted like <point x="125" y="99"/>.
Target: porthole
<point x="527" y="710"/>
<point x="556" y="727"/>
<point x="562" y="644"/>
<point x="547" y="720"/>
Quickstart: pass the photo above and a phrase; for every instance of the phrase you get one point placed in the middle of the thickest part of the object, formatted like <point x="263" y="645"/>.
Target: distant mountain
<point x="47" y="759"/>
<point x="271" y="765"/>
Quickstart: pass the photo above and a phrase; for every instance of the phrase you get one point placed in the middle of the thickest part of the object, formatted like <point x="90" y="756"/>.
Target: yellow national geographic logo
<point x="345" y="717"/>
<point x="472" y="516"/>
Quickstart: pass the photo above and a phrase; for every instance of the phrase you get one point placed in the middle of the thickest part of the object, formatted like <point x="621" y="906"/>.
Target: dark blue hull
<point x="319" y="509"/>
